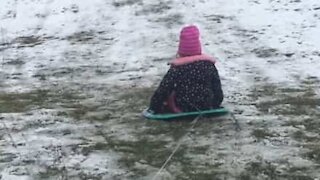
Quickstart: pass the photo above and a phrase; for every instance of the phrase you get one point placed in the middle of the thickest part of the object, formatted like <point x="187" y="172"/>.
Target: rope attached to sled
<point x="235" y="122"/>
<point x="194" y="122"/>
<point x="177" y="147"/>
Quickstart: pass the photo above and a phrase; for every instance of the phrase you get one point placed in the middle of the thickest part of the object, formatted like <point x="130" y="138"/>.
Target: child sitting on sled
<point x="192" y="82"/>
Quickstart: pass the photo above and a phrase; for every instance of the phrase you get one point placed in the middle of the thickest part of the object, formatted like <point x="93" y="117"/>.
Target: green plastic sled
<point x="207" y="113"/>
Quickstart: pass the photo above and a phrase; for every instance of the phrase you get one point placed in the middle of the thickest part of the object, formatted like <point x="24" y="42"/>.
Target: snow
<point x="85" y="55"/>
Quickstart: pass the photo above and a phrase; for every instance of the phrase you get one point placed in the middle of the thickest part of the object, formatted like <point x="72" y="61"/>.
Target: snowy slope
<point x="75" y="76"/>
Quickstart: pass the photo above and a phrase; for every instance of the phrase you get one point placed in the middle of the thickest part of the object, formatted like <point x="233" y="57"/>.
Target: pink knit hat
<point x="189" y="44"/>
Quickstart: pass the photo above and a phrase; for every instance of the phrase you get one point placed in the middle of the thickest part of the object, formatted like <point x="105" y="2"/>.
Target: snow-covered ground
<point x="76" y="74"/>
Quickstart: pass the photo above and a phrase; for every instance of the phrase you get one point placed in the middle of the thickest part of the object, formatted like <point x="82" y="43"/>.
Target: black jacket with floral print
<point x="196" y="85"/>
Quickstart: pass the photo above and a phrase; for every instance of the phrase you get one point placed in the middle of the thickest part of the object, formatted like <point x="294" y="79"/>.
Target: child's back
<point x="192" y="81"/>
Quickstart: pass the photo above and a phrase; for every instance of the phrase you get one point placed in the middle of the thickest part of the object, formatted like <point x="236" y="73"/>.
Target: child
<point x="192" y="82"/>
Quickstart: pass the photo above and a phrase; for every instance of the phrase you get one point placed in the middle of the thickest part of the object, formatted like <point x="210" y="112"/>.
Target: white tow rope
<point x="177" y="147"/>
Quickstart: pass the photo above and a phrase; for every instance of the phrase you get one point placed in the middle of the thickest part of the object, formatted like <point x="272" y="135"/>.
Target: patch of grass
<point x="218" y="125"/>
<point x="64" y="71"/>
<point x="295" y="101"/>
<point x="87" y="149"/>
<point x="121" y="3"/>
<point x="310" y="81"/>
<point x="218" y="18"/>
<point x="150" y="152"/>
<point x="249" y="176"/>
<point x="210" y="171"/>
<point x="21" y="102"/>
<point x="310" y="124"/>
<point x="159" y="8"/>
<point x="41" y="77"/>
<point x="263" y="90"/>
<point x="314" y="153"/>
<point x="299" y="135"/>
<point x="153" y="152"/>
<point x="245" y="176"/>
<point x="265" y="52"/>
<point x="261" y="134"/>
<point x="144" y="149"/>
<point x="291" y="90"/>
<point x="80" y="111"/>
<point x="291" y="103"/>
<point x="279" y="100"/>
<point x="175" y="129"/>
<point x="17" y="62"/>
<point x="199" y="149"/>
<point x="171" y="20"/>
<point x="126" y="104"/>
<point x="296" y="173"/>
<point x="297" y="169"/>
<point x="203" y="175"/>
<point x="303" y="137"/>
<point x="135" y="100"/>
<point x="28" y="41"/>
<point x="298" y="177"/>
<point x="52" y="173"/>
<point x="255" y="169"/>
<point x="91" y="176"/>
<point x="80" y="37"/>
<point x="7" y="157"/>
